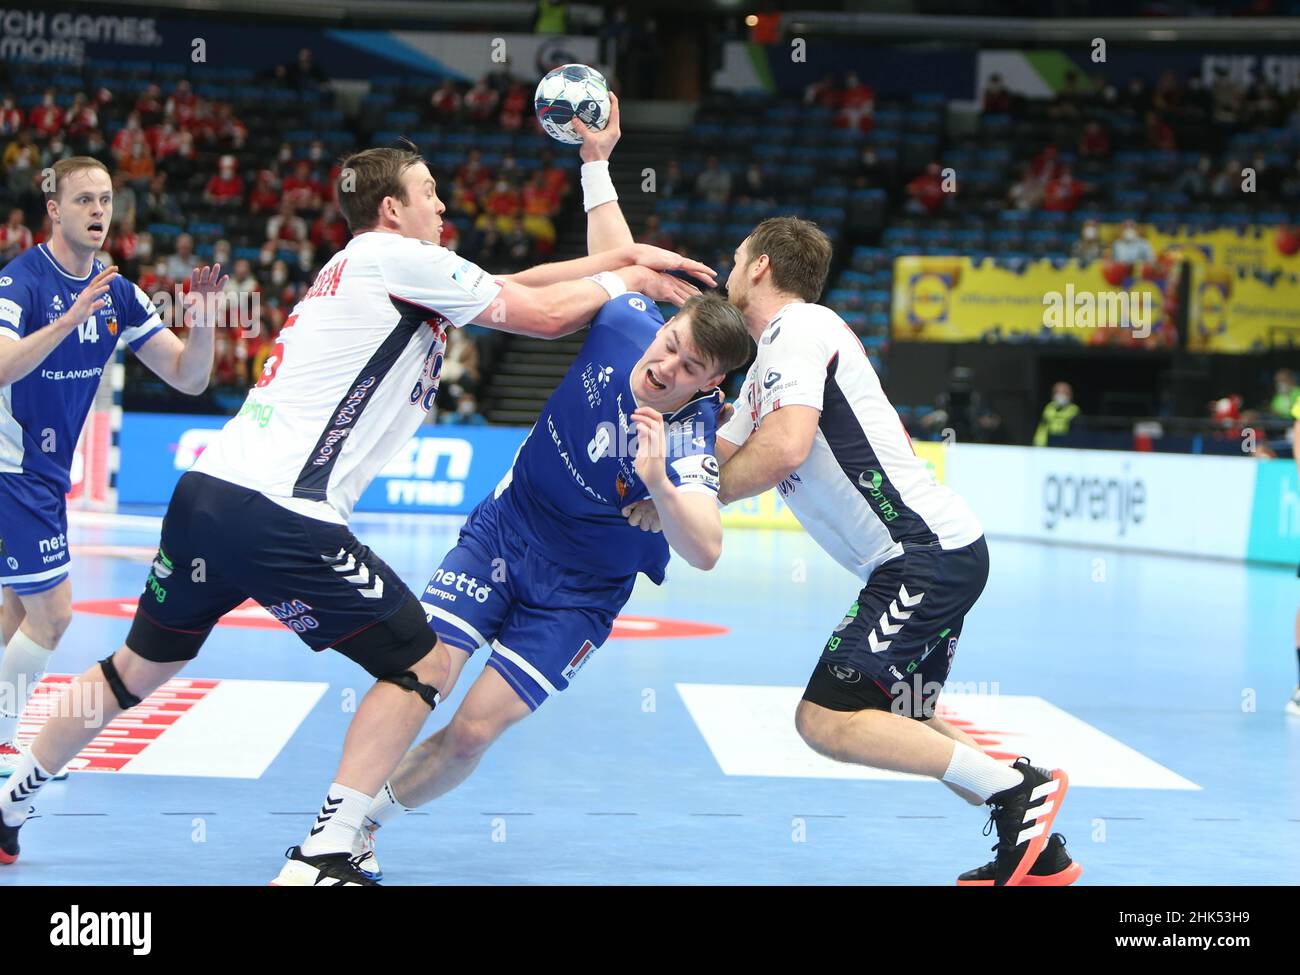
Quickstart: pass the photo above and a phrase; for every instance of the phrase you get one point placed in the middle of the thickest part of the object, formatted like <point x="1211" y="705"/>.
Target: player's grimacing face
<point x="421" y="214"/>
<point x="736" y="280"/>
<point x="672" y="369"/>
<point x="84" y="209"/>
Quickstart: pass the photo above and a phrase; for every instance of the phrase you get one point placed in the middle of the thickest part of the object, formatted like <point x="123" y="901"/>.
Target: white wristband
<point x="610" y="281"/>
<point x="597" y="187"/>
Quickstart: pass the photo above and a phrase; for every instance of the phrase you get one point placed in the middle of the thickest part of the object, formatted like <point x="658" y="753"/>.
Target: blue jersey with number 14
<point x="41" y="415"/>
<point x="576" y="471"/>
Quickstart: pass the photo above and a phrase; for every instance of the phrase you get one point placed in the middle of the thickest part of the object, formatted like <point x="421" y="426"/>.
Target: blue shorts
<point x="33" y="534"/>
<point x="543" y="620"/>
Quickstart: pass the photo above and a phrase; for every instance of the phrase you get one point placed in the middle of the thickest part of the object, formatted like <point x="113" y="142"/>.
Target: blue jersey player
<point x="62" y="313"/>
<point x="544" y="565"/>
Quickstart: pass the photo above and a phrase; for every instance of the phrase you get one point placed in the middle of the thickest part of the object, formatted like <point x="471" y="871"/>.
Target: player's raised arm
<point x="185" y="365"/>
<point x="606" y="226"/>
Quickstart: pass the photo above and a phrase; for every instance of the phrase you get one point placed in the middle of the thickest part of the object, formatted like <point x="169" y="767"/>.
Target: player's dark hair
<point x="66" y="167"/>
<point x="798" y="252"/>
<point x="718" y="331"/>
<point x="366" y="177"/>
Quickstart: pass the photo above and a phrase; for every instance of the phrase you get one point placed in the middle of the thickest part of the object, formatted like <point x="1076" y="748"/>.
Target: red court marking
<point x="125" y="736"/>
<point x="251" y="614"/>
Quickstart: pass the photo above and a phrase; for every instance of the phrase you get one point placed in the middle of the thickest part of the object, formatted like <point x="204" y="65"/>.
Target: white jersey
<point x="862" y="494"/>
<point x="353" y="374"/>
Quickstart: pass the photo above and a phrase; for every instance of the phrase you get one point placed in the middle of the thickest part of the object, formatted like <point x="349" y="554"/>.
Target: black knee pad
<point x="394" y="644"/>
<point x="125" y="699"/>
<point x="407" y="681"/>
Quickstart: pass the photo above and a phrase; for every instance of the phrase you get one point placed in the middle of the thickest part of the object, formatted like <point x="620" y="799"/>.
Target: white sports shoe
<point x="363" y="852"/>
<point x="10" y="754"/>
<point x="1293" y="705"/>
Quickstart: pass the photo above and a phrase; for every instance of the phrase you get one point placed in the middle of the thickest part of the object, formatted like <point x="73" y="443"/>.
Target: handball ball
<point x="569" y="90"/>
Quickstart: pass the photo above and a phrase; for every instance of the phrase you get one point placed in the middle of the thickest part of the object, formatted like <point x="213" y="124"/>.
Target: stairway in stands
<point x="529" y="369"/>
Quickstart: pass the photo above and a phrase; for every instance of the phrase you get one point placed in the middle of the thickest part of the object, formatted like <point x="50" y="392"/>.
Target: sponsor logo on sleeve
<point x="11" y="312"/>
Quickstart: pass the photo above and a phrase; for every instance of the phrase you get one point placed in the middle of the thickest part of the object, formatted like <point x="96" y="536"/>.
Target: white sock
<point x="21" y="669"/>
<point x="20" y="789"/>
<point x="385" y="807"/>
<point x="975" y="772"/>
<point x="337" y="822"/>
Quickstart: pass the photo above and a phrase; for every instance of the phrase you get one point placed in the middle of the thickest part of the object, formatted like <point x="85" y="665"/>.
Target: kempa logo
<point x="1098" y="309"/>
<point x="73" y="929"/>
<point x="870" y="481"/>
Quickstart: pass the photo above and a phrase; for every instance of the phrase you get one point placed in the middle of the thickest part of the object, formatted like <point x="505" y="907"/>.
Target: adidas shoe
<point x="1024" y="815"/>
<point x="11" y="754"/>
<point x="363" y="851"/>
<point x="1293" y="705"/>
<point x="325" y="870"/>
<point x="1054" y="868"/>
<point x="9" y="840"/>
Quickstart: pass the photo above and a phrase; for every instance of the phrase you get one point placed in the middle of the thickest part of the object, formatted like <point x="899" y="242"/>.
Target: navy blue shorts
<point x="894" y="648"/>
<point x="222" y="544"/>
<point x="544" y="621"/>
<point x="33" y="534"/>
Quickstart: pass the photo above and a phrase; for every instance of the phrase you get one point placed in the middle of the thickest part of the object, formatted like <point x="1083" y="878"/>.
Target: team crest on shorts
<point x="579" y="659"/>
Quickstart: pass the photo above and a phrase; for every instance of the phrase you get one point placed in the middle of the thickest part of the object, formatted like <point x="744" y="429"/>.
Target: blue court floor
<point x="1157" y="683"/>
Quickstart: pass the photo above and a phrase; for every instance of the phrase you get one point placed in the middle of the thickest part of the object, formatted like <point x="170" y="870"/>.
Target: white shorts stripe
<point x="525" y="666"/>
<point x="36" y="576"/>
<point x="455" y="621"/>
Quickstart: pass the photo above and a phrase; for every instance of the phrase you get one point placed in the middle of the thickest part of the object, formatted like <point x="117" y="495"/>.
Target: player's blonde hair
<point x="66" y="167"/>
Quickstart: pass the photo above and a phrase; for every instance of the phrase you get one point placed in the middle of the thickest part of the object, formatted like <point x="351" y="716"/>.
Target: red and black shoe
<point x="1024" y="815"/>
<point x="1054" y="868"/>
<point x="8" y="842"/>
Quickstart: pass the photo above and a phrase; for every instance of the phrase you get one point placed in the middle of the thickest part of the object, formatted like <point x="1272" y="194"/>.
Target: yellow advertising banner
<point x="1238" y="310"/>
<point x="1269" y="248"/>
<point x="954" y="299"/>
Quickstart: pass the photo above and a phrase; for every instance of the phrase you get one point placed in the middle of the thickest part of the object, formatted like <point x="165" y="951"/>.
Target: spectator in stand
<point x="551" y="17"/>
<point x="305" y="72"/>
<point x="304" y="271"/>
<point x="1088" y="247"/>
<point x="138" y="166"/>
<point x="996" y="98"/>
<point x="302" y="188"/>
<point x="124" y="245"/>
<point x="159" y="206"/>
<point x="165" y="140"/>
<point x="1227" y="182"/>
<point x="753" y="185"/>
<point x="82" y="117"/>
<point x="502" y="206"/>
<point x="14" y="235"/>
<point x="226" y="187"/>
<point x="1285" y="397"/>
<point x="242" y="279"/>
<point x="557" y="177"/>
<point x="925" y="192"/>
<point x="1094" y="143"/>
<point x="1025" y="193"/>
<point x="265" y="196"/>
<point x="1068" y="104"/>
<point x="824" y="93"/>
<point x="464" y="202"/>
<point x="22" y="161"/>
<point x="130" y="134"/>
<point x="1159" y="133"/>
<point x="1226" y="99"/>
<point x="655" y="235"/>
<point x="461" y="371"/>
<point x="222" y="253"/>
<point x="149" y="106"/>
<point x="11" y="116"/>
<point x="1057" y="415"/>
<point x="714" y="182"/>
<point x="481" y="103"/>
<point x="450" y="238"/>
<point x="1130" y="247"/>
<point x="857" y="105"/>
<point x="153" y="280"/>
<point x="47" y="117"/>
<point x="182" y="167"/>
<point x="182" y="105"/>
<point x="466" y="413"/>
<point x="872" y="173"/>
<point x="671" y="182"/>
<point x="1045" y="166"/>
<point x="1062" y="194"/>
<point x="1136" y="100"/>
<point x="516" y="105"/>
<point x="286" y="227"/>
<point x="281" y="284"/>
<point x="473" y="175"/>
<point x="231" y="132"/>
<point x="540" y="207"/>
<point x="55" y="150"/>
<point x="1167" y="97"/>
<point x="445" y="103"/>
<point x="95" y="145"/>
<point x="181" y="263"/>
<point x="1195" y="182"/>
<point x="329" y="231"/>
<point x="517" y="243"/>
<point x="126" y="202"/>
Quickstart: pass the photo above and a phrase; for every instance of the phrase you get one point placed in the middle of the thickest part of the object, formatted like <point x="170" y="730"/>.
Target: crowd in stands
<point x="203" y="172"/>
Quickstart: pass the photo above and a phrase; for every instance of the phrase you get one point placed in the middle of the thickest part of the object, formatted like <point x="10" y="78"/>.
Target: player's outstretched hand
<point x="659" y="259"/>
<point x="91" y="298"/>
<point x="643" y="515"/>
<point x="651" y="447"/>
<point x="598" y="144"/>
<point x="665" y="287"/>
<point x="207" y="280"/>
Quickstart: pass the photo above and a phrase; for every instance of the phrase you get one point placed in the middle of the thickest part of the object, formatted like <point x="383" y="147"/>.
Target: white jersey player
<point x="264" y="513"/>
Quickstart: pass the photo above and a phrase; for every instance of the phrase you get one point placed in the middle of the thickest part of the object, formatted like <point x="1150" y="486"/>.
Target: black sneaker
<point x="1054" y="868"/>
<point x="9" y="841"/>
<point x="1024" y="815"/>
<point x="325" y="870"/>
